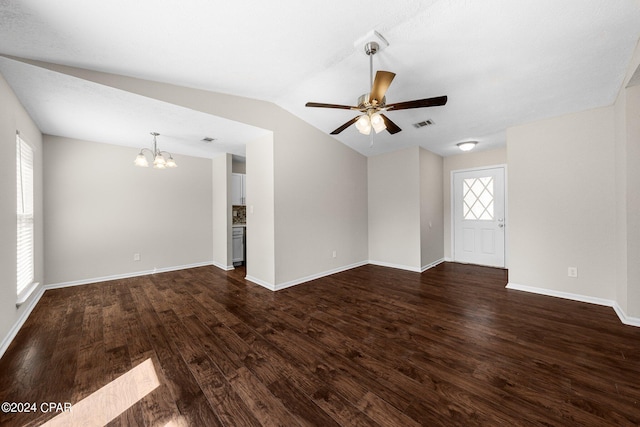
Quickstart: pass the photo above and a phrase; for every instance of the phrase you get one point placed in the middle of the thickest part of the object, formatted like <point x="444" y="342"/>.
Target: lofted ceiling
<point x="500" y="62"/>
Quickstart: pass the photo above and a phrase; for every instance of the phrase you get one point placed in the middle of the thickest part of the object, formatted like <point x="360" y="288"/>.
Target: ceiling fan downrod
<point x="371" y="49"/>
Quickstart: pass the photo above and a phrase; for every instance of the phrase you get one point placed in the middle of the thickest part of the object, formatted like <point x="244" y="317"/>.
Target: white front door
<point x="479" y="216"/>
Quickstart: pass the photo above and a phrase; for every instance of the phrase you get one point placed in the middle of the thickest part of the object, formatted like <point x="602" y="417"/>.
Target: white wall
<point x="431" y="208"/>
<point x="260" y="212"/>
<point x="309" y="220"/>
<point x="320" y="191"/>
<point x="627" y="193"/>
<point x="633" y="201"/>
<point x="394" y="209"/>
<point x="221" y="212"/>
<point x="620" y="110"/>
<point x="561" y="186"/>
<point x="101" y="209"/>
<point x="468" y="160"/>
<point x="627" y="141"/>
<point x="13" y="117"/>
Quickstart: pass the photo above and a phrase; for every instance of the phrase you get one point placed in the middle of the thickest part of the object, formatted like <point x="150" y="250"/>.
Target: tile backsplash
<point x="239" y="215"/>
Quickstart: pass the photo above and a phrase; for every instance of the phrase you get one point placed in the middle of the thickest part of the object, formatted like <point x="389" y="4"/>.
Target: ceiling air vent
<point x="423" y="123"/>
<point x="208" y="139"/>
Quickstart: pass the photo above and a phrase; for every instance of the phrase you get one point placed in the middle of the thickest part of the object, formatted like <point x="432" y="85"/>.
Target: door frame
<point x="453" y="213"/>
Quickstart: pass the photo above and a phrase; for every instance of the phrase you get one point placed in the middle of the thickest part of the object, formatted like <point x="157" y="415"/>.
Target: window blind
<point x="25" y="242"/>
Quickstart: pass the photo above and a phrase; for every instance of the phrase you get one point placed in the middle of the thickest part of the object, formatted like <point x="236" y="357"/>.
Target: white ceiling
<point x="500" y="62"/>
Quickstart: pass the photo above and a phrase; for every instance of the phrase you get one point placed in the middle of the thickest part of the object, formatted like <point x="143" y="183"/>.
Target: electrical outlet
<point x="573" y="272"/>
<point x="334" y="254"/>
<point x="136" y="257"/>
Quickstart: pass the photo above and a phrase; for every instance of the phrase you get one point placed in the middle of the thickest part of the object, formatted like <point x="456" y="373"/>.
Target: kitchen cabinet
<point x="237" y="237"/>
<point x="238" y="185"/>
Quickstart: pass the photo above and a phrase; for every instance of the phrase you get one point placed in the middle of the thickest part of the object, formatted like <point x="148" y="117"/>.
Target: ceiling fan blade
<point x="346" y="125"/>
<point x="418" y="103"/>
<point x="321" y="105"/>
<point x="391" y="127"/>
<point x="380" y="85"/>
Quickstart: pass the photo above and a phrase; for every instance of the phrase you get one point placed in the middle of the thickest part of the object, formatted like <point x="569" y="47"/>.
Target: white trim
<point x="290" y="283"/>
<point x="627" y="320"/>
<point x="125" y="275"/>
<point x="407" y="267"/>
<point x="295" y="282"/>
<point x="632" y="321"/>
<point x="223" y="267"/>
<point x="262" y="283"/>
<point x="398" y="266"/>
<point x="6" y="341"/>
<point x="433" y="264"/>
<point x="26" y="293"/>
<point x="560" y="294"/>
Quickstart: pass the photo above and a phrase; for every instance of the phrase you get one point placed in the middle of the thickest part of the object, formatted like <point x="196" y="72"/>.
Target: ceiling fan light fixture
<point x="363" y="124"/>
<point x="467" y="145"/>
<point x="377" y="122"/>
<point x="374" y="102"/>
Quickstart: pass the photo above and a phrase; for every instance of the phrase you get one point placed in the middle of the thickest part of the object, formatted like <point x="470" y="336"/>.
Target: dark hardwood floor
<point x="370" y="346"/>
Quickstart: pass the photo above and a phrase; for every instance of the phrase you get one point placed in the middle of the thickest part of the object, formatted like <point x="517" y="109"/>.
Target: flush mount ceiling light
<point x="159" y="161"/>
<point x="467" y="145"/>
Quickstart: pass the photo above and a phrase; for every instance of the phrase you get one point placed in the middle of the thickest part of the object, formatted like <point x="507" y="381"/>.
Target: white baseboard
<point x="407" y="267"/>
<point x="627" y="320"/>
<point x="295" y="282"/>
<point x="433" y="264"/>
<point x="398" y="266"/>
<point x="318" y="275"/>
<point x="223" y="267"/>
<point x="125" y="275"/>
<point x="262" y="283"/>
<point x="28" y="308"/>
<point x="632" y="321"/>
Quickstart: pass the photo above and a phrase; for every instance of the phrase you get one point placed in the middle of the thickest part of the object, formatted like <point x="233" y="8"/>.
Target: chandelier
<point x="159" y="160"/>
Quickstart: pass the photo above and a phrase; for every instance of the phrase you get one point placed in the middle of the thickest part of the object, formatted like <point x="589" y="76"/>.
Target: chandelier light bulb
<point x="159" y="160"/>
<point x="141" y="160"/>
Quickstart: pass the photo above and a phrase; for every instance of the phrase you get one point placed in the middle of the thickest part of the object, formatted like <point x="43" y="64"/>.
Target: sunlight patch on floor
<point x="107" y="403"/>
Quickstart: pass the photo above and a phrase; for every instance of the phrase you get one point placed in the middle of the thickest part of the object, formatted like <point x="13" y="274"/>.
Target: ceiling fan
<point x="373" y="104"/>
